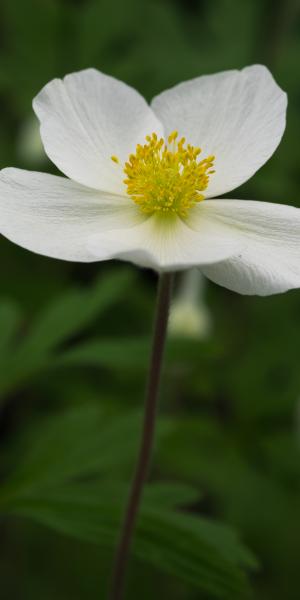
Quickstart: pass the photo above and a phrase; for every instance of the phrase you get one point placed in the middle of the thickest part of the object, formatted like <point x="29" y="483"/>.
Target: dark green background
<point x="231" y="404"/>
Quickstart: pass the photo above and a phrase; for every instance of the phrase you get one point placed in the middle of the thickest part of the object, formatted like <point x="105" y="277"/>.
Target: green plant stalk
<point x="144" y="457"/>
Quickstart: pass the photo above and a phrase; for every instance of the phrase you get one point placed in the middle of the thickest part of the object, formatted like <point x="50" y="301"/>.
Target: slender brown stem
<point x="144" y="457"/>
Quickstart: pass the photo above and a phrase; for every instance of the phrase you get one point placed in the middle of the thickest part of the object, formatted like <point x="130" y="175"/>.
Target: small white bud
<point x="190" y="317"/>
<point x="29" y="145"/>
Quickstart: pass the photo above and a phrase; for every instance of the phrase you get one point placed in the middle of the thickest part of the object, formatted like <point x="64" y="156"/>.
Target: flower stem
<point x="146" y="445"/>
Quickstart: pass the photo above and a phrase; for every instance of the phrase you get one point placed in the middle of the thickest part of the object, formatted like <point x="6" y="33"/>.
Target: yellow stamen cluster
<point x="166" y="177"/>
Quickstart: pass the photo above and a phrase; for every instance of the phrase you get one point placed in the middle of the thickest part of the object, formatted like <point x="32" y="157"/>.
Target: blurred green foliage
<point x="74" y="345"/>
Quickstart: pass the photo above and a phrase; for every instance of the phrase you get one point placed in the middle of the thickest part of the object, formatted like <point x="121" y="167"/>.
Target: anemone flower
<point x="143" y="185"/>
<point x="143" y="181"/>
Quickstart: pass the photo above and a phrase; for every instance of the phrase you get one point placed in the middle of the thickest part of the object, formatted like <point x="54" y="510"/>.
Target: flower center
<point x="166" y="178"/>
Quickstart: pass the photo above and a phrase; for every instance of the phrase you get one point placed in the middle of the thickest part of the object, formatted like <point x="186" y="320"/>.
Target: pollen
<point x="167" y="177"/>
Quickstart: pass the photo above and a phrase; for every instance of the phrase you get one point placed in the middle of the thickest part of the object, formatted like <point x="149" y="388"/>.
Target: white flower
<point x="189" y="316"/>
<point x="93" y="128"/>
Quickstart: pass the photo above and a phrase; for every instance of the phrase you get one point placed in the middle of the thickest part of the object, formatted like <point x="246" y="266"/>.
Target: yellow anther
<point x="173" y="136"/>
<point x="115" y="159"/>
<point x="166" y="177"/>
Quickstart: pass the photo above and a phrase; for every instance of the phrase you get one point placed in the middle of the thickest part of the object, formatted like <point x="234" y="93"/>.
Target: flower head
<point x="143" y="181"/>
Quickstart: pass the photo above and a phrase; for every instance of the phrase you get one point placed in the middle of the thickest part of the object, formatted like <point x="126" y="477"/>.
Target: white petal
<point x="166" y="244"/>
<point x="85" y="119"/>
<point x="54" y="216"/>
<point x="269" y="262"/>
<point x="238" y="116"/>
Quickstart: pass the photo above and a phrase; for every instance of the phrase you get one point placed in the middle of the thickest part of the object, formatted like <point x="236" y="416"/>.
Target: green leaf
<point x="171" y="494"/>
<point x="77" y="443"/>
<point x="86" y="441"/>
<point x="107" y="352"/>
<point x="74" y="311"/>
<point x="200" y="553"/>
<point x="61" y="320"/>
